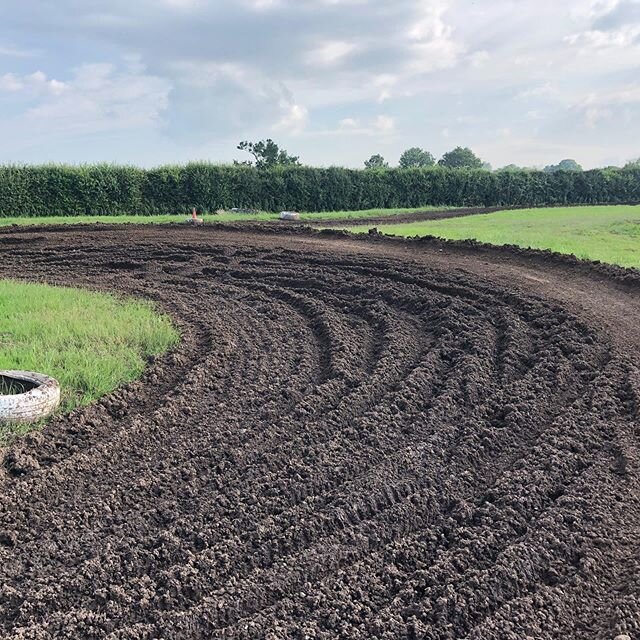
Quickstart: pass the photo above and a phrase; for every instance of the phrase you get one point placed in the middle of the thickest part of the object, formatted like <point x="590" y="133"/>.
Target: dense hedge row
<point x="111" y="190"/>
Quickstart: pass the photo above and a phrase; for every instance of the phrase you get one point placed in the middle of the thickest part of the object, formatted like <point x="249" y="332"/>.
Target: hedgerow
<point x="112" y="190"/>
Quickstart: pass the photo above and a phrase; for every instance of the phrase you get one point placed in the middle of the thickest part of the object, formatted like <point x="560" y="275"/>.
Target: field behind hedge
<point x="48" y="190"/>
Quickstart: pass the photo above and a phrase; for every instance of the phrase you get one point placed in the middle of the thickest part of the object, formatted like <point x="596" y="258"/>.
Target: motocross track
<point x="398" y="218"/>
<point x="356" y="438"/>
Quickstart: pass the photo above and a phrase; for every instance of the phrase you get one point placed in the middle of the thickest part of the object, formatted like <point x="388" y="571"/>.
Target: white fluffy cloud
<point x="33" y="82"/>
<point x="330" y="53"/>
<point x="294" y="120"/>
<point x="97" y="98"/>
<point x="384" y="124"/>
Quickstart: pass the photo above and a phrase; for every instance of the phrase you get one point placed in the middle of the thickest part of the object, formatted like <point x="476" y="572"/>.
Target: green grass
<point x="609" y="233"/>
<point x="90" y="342"/>
<point x="223" y="217"/>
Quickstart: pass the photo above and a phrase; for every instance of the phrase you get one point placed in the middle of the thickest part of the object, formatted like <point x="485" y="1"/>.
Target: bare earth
<point x="356" y="438"/>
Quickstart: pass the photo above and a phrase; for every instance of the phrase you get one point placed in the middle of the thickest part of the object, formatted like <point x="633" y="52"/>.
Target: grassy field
<point x="222" y="217"/>
<point x="90" y="342"/>
<point x="609" y="234"/>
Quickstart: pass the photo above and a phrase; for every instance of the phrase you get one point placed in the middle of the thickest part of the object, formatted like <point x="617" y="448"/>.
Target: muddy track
<point x="357" y="438"/>
<point x="416" y="216"/>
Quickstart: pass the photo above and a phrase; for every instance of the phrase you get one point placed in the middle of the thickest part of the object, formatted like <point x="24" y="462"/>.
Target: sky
<point x="150" y="82"/>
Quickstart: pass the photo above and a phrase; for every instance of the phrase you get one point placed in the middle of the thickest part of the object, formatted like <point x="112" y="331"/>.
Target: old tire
<point x="40" y="398"/>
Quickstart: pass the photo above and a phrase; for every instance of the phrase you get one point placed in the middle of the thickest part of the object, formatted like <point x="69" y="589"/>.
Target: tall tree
<point x="267" y="154"/>
<point x="564" y="165"/>
<point x="460" y="158"/>
<point x="511" y="167"/>
<point x="633" y="164"/>
<point x="376" y="162"/>
<point x="416" y="157"/>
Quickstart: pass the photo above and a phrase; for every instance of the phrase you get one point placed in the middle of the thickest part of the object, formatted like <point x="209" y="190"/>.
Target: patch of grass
<point x="609" y="233"/>
<point x="222" y="217"/>
<point x="90" y="342"/>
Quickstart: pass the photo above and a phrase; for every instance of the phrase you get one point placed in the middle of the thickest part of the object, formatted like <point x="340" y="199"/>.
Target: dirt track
<point x="356" y="439"/>
<point x="416" y="216"/>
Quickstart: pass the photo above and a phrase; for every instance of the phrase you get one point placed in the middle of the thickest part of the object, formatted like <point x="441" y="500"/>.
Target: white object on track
<point x="289" y="215"/>
<point x="40" y="398"/>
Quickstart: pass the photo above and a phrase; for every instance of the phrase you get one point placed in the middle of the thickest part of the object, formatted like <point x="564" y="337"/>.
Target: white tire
<point x="40" y="400"/>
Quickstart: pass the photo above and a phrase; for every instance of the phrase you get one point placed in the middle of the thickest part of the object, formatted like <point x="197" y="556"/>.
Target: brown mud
<point x="356" y="438"/>
<point x="416" y="216"/>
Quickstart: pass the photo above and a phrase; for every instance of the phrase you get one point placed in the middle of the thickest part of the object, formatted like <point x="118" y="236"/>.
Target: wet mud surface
<point x="355" y="439"/>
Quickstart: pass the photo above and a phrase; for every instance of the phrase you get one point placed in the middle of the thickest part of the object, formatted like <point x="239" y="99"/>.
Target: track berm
<point x="356" y="438"/>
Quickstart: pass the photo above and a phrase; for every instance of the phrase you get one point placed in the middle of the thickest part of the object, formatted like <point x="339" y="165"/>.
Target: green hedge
<point x="111" y="190"/>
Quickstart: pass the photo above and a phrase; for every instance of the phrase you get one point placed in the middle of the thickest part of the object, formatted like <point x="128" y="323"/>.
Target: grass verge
<point x="90" y="342"/>
<point x="609" y="233"/>
<point x="222" y="217"/>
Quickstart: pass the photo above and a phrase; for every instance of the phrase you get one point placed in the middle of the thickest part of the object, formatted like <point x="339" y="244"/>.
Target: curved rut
<point x="354" y="439"/>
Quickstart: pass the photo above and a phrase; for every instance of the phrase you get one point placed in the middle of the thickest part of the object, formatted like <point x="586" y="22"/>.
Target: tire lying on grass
<point x="27" y="397"/>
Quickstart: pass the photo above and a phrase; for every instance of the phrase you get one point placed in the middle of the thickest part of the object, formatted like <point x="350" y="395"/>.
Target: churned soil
<point x="415" y="216"/>
<point x="356" y="438"/>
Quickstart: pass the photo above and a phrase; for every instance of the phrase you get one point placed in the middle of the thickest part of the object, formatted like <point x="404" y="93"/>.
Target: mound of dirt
<point x="356" y="438"/>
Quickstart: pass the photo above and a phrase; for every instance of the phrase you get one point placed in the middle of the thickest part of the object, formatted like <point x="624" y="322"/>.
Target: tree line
<point x="266" y="154"/>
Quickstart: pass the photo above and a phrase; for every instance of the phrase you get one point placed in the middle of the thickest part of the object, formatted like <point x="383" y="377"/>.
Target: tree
<point x="416" y="157"/>
<point x="460" y="158"/>
<point x="376" y="162"/>
<point x="564" y="165"/>
<point x="633" y="164"/>
<point x="267" y="154"/>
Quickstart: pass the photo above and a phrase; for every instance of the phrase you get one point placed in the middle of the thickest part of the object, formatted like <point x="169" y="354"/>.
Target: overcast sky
<point x="334" y="81"/>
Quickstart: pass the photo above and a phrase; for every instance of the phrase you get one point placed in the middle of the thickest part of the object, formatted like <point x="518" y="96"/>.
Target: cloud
<point x="384" y="124"/>
<point x="619" y="14"/>
<point x="211" y="99"/>
<point x="16" y="52"/>
<point x="181" y="4"/>
<point x="36" y="82"/>
<point x="614" y="24"/>
<point x="330" y="53"/>
<point x="592" y="9"/>
<point x="434" y="46"/>
<point x="196" y="76"/>
<point x="349" y="123"/>
<point x="10" y="82"/>
<point x="261" y="5"/>
<point x="593" y="115"/>
<point x="542" y="91"/>
<point x="479" y="59"/>
<point x="379" y="127"/>
<point x="98" y="97"/>
<point x="596" y="39"/>
<point x="294" y="120"/>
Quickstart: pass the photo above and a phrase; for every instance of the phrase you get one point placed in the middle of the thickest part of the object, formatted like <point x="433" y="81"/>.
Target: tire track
<point x="347" y="443"/>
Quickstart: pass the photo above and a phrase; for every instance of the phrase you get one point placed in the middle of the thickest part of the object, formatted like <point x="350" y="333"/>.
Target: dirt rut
<point x="355" y="439"/>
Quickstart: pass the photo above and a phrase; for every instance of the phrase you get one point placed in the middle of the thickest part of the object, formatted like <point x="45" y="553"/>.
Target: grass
<point x="90" y="342"/>
<point x="608" y="233"/>
<point x="222" y="217"/>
